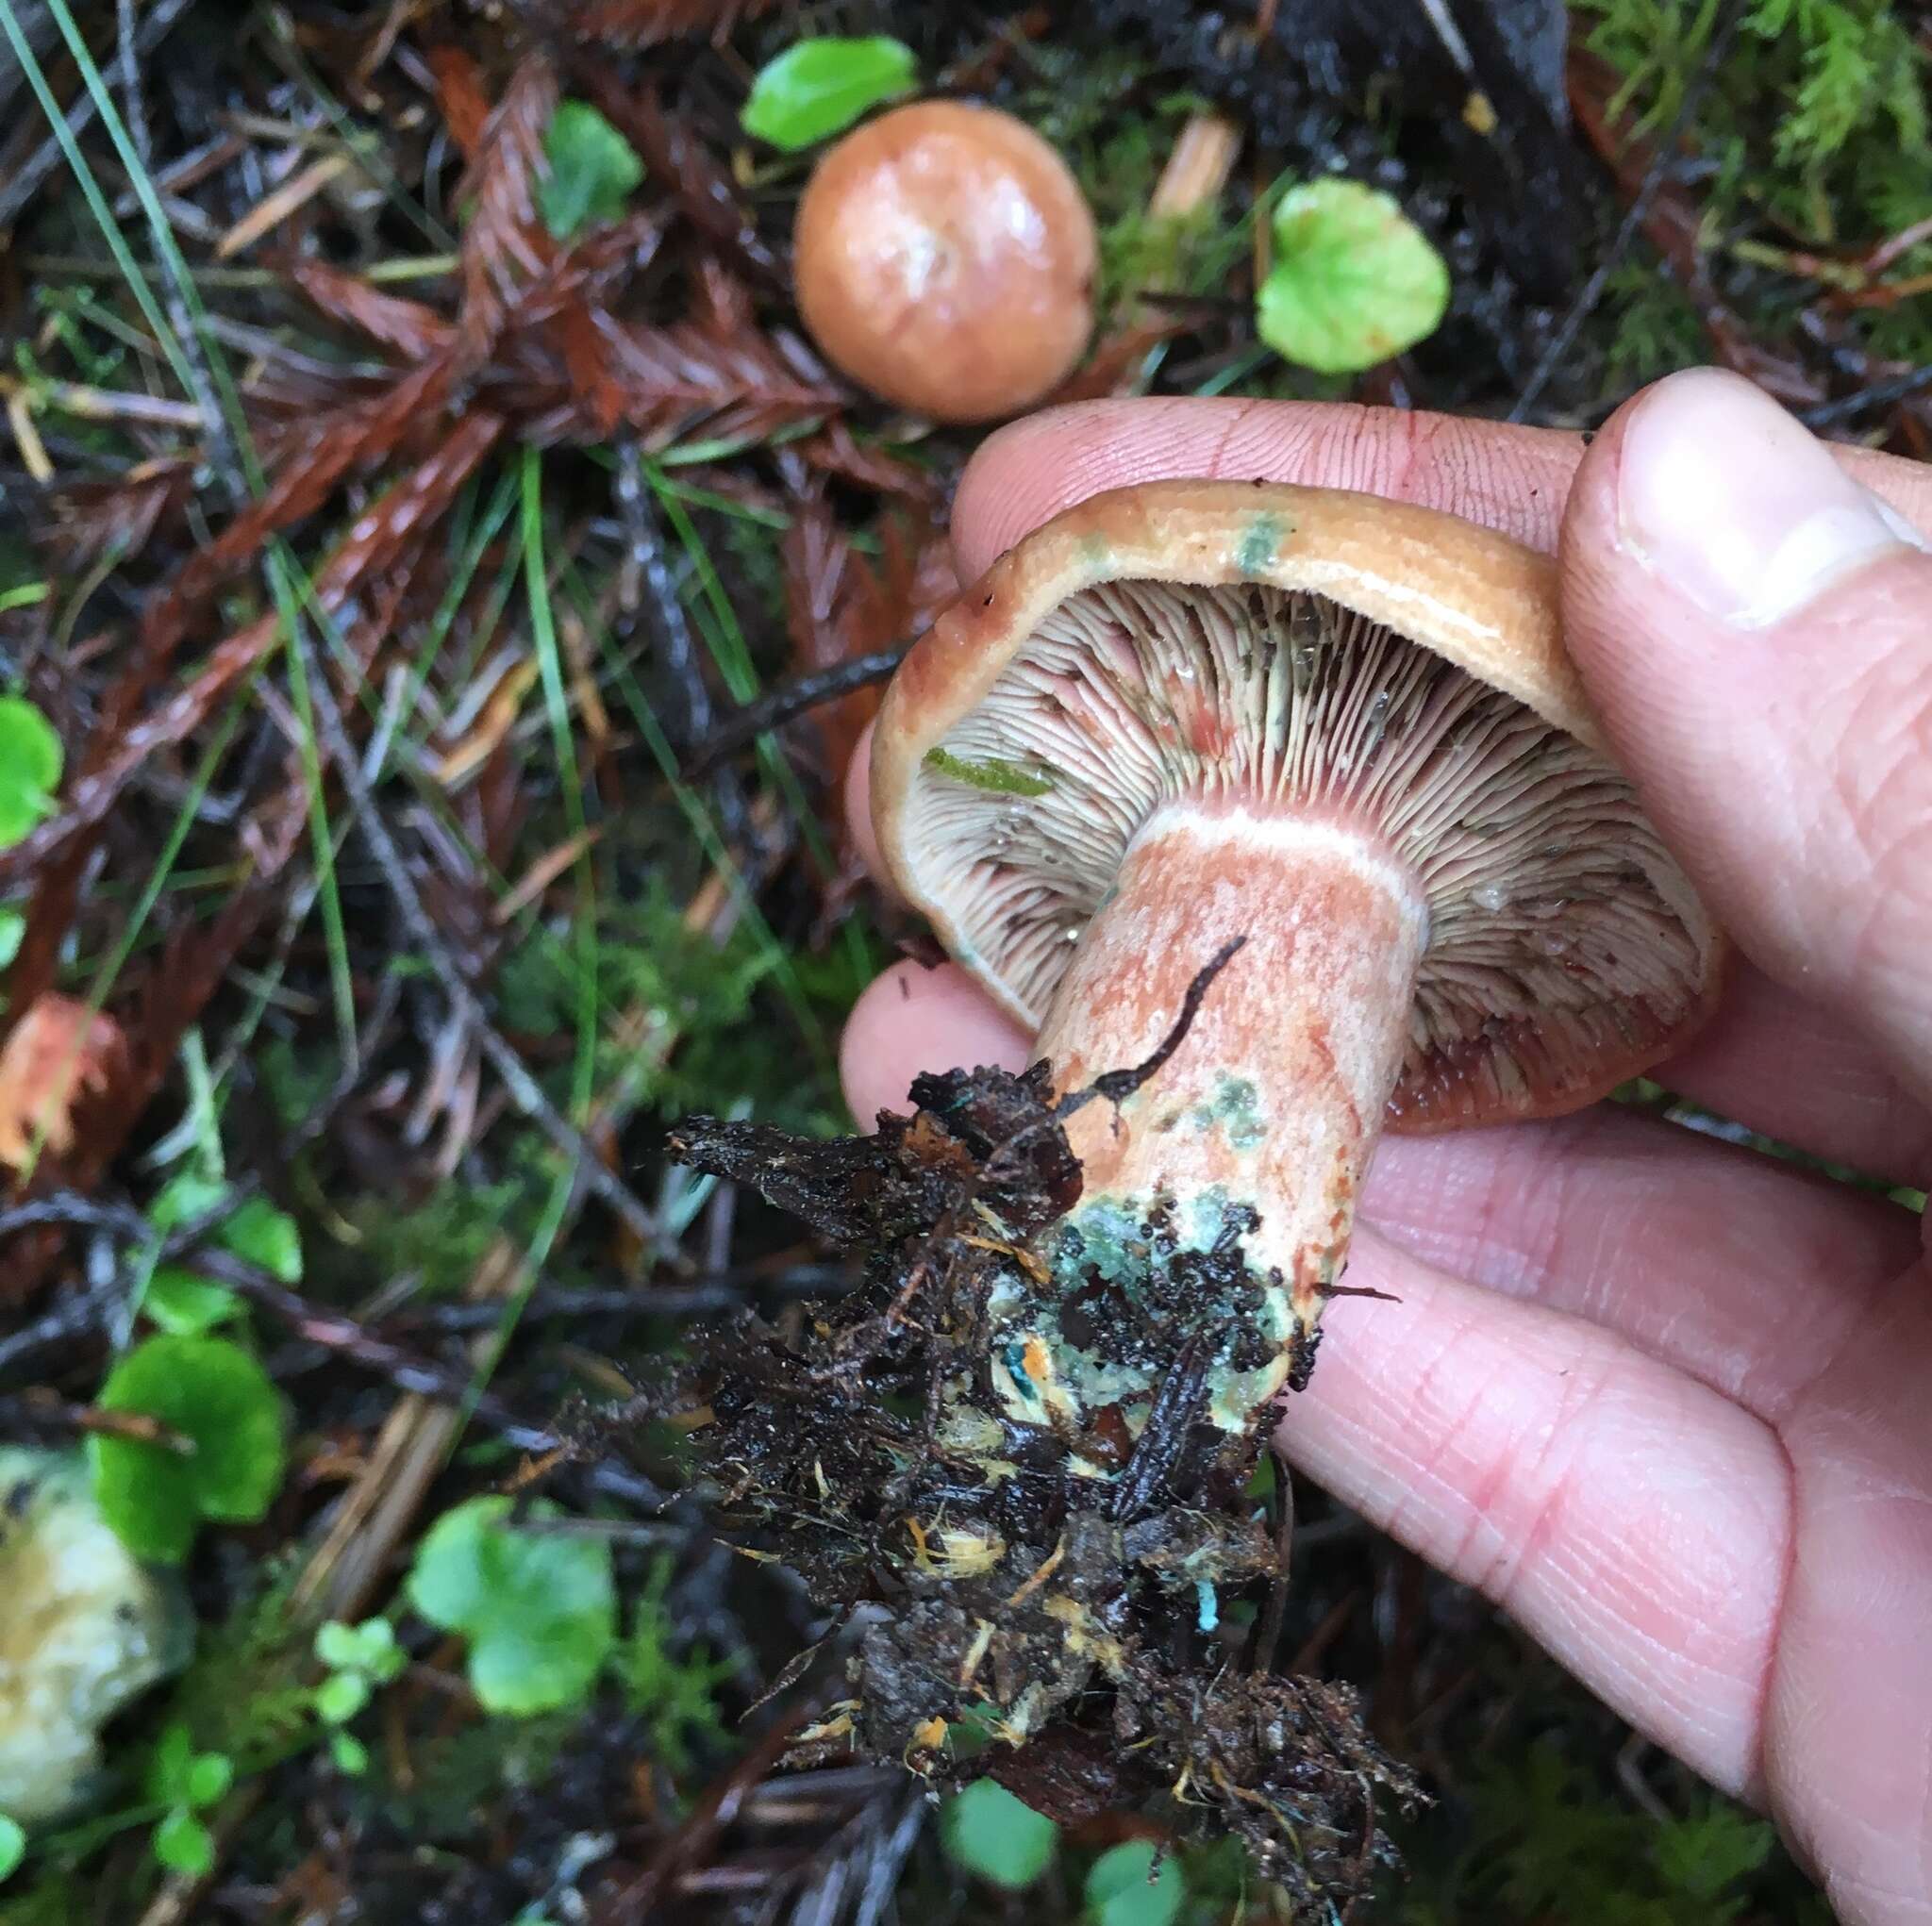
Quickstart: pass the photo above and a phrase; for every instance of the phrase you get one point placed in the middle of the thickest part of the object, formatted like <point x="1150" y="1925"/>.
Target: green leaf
<point x="30" y="759"/>
<point x="349" y="1753"/>
<point x="217" y="1397"/>
<point x="592" y="170"/>
<point x="989" y="1832"/>
<point x="538" y="1608"/>
<point x="186" y="1303"/>
<point x="209" y="1775"/>
<point x="183" y="1844"/>
<point x="1354" y="281"/>
<point x="338" y="1646"/>
<point x="167" y="1774"/>
<point x="178" y="1298"/>
<point x="820" y="86"/>
<point x="13" y="1846"/>
<point x="1119" y="1892"/>
<point x="12" y="927"/>
<point x="1702" y="1855"/>
<point x="370" y="1648"/>
<point x="339" y="1698"/>
<point x="261" y="1235"/>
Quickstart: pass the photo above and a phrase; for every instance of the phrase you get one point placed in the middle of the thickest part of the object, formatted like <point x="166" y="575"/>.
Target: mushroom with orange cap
<point x="1343" y="730"/>
<point x="944" y="258"/>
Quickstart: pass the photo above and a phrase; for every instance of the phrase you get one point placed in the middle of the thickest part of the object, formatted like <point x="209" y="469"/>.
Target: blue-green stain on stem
<point x="1259" y="542"/>
<point x="991" y="773"/>
<point x="1236" y="1107"/>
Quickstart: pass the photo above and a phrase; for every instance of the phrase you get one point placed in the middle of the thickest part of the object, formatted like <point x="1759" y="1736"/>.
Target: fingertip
<point x="1013" y="482"/>
<point x="1509" y="479"/>
<point x="910" y="1020"/>
<point x="1746" y="607"/>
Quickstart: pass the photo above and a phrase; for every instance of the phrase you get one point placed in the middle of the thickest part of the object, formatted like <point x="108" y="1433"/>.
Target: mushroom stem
<point x="1273" y="1100"/>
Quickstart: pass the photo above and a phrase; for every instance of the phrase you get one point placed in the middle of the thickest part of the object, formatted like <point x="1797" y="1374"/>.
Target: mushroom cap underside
<point x="1312" y="652"/>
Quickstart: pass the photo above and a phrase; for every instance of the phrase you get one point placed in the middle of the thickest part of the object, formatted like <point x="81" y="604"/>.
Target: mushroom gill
<point x="1558" y="929"/>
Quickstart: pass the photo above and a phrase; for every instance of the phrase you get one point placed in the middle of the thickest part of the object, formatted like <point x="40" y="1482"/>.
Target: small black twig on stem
<point x="1117" y="1086"/>
<point x="1828" y="414"/>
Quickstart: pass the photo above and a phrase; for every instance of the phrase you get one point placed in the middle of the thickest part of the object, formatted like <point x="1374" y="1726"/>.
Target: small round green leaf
<point x="183" y="1844"/>
<point x="538" y="1608"/>
<point x="31" y="761"/>
<point x="1354" y="281"/>
<point x="369" y="1648"/>
<point x="339" y="1698"/>
<point x="177" y="1296"/>
<point x="592" y="170"/>
<point x="266" y="1238"/>
<point x="182" y="1301"/>
<point x="209" y="1775"/>
<point x="820" y="86"/>
<point x="13" y="1846"/>
<point x="989" y="1832"/>
<point x="337" y="1645"/>
<point x="12" y="928"/>
<point x="217" y="1397"/>
<point x="1118" y="1893"/>
<point x="350" y="1754"/>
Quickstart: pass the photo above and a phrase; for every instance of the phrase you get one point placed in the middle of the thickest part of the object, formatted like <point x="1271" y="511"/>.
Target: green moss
<point x="991" y="772"/>
<point x="1656" y="329"/>
<point x="1818" y="133"/>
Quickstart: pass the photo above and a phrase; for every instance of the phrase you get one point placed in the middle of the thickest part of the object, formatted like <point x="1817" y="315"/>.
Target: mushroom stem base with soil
<point x="1247" y="1144"/>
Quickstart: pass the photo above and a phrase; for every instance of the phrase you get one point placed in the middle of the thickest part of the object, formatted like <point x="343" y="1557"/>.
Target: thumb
<point x="1755" y="629"/>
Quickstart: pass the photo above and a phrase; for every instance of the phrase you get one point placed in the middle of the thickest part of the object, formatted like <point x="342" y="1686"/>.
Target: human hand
<point x="1667" y="1400"/>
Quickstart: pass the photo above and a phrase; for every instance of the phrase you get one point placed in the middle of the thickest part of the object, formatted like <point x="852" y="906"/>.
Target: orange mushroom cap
<point x="945" y="259"/>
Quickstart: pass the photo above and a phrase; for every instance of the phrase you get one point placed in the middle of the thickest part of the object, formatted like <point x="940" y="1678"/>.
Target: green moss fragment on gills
<point x="991" y="773"/>
<point x="1259" y="543"/>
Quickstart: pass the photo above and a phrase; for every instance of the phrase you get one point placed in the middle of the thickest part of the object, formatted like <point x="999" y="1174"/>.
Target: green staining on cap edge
<point x="1259" y="541"/>
<point x="1004" y="778"/>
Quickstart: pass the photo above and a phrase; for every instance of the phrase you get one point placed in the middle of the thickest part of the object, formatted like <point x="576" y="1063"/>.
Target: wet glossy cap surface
<point x="945" y="259"/>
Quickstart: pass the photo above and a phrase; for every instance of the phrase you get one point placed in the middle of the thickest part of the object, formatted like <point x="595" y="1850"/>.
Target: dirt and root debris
<point x="1035" y="1586"/>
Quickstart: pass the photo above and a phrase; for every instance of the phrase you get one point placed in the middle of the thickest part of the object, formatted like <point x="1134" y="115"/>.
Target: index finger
<point x="1512" y="479"/>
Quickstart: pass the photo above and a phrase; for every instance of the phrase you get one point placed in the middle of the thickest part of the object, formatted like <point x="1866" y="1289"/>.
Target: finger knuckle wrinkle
<point x="1523" y="1497"/>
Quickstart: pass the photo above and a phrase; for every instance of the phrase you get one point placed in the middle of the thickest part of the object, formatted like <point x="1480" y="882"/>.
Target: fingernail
<point x="1736" y="505"/>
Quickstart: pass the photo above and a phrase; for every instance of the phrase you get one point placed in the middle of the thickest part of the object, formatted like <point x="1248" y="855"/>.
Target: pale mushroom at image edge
<point x="85" y="1627"/>
<point x="1343" y="730"/>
